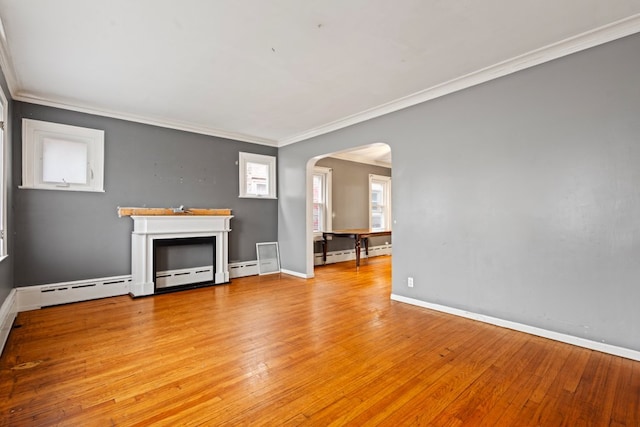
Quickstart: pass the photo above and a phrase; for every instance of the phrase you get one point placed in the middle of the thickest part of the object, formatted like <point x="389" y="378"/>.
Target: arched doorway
<point x="339" y="196"/>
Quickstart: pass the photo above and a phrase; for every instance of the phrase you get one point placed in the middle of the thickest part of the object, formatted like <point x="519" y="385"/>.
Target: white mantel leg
<point x="141" y="282"/>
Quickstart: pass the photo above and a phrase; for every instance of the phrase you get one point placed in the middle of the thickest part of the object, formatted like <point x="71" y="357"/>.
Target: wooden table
<point x="358" y="234"/>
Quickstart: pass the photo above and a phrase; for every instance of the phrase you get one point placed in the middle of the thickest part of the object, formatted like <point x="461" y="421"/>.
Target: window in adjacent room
<point x="62" y="157"/>
<point x="321" y="199"/>
<point x="257" y="176"/>
<point x="379" y="202"/>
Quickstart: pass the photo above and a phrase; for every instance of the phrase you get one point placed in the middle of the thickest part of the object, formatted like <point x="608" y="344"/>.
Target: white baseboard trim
<point x="556" y="336"/>
<point x="294" y="273"/>
<point x="8" y="312"/>
<point x="350" y="254"/>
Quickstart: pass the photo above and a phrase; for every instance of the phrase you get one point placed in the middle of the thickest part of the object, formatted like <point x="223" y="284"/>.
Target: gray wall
<point x="6" y="266"/>
<point x="517" y="198"/>
<point x="62" y="236"/>
<point x="350" y="198"/>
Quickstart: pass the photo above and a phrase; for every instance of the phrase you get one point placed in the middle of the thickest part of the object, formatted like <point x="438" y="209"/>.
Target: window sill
<point x="86" y="190"/>
<point x="258" y="197"/>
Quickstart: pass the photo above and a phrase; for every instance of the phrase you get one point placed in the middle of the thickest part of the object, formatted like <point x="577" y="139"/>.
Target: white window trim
<point x="270" y="161"/>
<point x="3" y="176"/>
<point x="328" y="177"/>
<point x="33" y="134"/>
<point x="387" y="198"/>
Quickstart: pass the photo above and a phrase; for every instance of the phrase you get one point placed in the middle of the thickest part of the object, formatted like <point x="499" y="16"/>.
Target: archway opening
<point x="348" y="190"/>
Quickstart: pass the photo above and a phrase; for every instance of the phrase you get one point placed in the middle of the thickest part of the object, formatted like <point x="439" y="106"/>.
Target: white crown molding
<point x="589" y="39"/>
<point x="7" y="64"/>
<point x="598" y="36"/>
<point x="188" y="127"/>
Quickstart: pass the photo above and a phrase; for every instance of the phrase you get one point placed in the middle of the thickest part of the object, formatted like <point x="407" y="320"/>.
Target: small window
<point x="379" y="202"/>
<point x="321" y="199"/>
<point x="257" y="176"/>
<point x="62" y="157"/>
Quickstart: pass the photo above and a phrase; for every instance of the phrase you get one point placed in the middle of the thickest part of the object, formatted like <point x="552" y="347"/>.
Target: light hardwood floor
<point x="278" y="350"/>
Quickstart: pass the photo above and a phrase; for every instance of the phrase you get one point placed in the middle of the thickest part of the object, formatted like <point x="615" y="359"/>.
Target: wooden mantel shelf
<point x="172" y="211"/>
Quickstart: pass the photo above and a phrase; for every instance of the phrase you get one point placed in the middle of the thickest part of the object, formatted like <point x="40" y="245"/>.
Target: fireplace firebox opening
<point x="183" y="278"/>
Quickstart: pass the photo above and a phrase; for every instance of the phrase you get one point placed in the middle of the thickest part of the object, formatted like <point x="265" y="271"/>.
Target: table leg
<point x="324" y="249"/>
<point x="357" y="251"/>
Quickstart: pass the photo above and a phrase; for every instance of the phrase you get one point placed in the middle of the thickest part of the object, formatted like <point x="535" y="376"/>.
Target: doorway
<point x="340" y="197"/>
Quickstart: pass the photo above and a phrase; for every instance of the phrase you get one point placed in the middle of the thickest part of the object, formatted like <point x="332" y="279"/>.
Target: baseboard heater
<point x="183" y="278"/>
<point x="350" y="254"/>
<point x="39" y="296"/>
<point x="35" y="297"/>
<point x="243" y="269"/>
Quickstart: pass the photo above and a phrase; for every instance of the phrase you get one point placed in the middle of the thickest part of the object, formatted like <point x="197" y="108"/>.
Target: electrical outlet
<point x="410" y="282"/>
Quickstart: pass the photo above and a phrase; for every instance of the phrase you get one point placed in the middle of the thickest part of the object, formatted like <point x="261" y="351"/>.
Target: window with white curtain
<point x="321" y="199"/>
<point x="379" y="202"/>
<point x="62" y="157"/>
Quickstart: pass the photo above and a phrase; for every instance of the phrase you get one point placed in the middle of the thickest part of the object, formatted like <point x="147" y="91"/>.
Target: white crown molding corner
<point x="188" y="127"/>
<point x="532" y="330"/>
<point x="7" y="68"/>
<point x="607" y="33"/>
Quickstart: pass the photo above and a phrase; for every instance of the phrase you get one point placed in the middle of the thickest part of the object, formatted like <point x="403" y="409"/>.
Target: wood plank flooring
<point x="278" y="350"/>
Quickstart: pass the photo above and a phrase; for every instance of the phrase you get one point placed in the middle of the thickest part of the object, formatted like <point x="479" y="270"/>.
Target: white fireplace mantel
<point x="146" y="229"/>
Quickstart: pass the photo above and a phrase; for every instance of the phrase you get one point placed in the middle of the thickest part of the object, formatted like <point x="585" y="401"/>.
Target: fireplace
<point x="167" y="279"/>
<point x="152" y="231"/>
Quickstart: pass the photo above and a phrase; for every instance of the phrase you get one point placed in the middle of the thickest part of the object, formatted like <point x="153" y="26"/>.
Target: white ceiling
<point x="378" y="154"/>
<point x="279" y="71"/>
